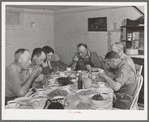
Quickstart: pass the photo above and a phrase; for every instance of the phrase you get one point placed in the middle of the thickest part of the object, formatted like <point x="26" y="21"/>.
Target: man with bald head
<point x="84" y="59"/>
<point x="15" y="86"/>
<point x="119" y="49"/>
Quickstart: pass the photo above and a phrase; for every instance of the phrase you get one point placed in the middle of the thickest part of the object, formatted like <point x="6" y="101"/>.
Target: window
<point x="14" y="18"/>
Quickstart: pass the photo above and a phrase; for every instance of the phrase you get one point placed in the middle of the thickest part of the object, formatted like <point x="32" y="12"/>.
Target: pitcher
<point x="87" y="82"/>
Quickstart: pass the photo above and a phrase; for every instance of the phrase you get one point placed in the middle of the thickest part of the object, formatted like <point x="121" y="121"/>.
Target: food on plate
<point x="83" y="105"/>
<point x="88" y="92"/>
<point x="57" y="92"/>
<point x="63" y="81"/>
<point x="97" y="97"/>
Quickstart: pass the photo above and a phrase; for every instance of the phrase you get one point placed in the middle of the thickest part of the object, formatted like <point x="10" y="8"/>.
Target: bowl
<point x="13" y="104"/>
<point x="102" y="101"/>
<point x="68" y="69"/>
<point x="82" y="95"/>
<point x="60" y="99"/>
<point x="62" y="74"/>
<point x="101" y="84"/>
<point x="63" y="81"/>
<point x="100" y="71"/>
<point x="40" y="91"/>
<point x="105" y="90"/>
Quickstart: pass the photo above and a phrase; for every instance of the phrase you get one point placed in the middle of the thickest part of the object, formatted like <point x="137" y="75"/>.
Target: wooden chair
<point x="139" y="79"/>
<point x="138" y="69"/>
<point x="134" y="105"/>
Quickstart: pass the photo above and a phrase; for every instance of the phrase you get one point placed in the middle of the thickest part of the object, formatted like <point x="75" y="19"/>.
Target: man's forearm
<point x="115" y="85"/>
<point x="73" y="65"/>
<point x="104" y="67"/>
<point x="111" y="75"/>
<point x="26" y="86"/>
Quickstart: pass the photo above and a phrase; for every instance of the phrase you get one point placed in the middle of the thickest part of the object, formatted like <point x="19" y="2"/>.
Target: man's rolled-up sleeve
<point x="122" y="77"/>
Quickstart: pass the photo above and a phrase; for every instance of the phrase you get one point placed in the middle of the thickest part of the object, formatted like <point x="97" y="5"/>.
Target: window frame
<point x="21" y="11"/>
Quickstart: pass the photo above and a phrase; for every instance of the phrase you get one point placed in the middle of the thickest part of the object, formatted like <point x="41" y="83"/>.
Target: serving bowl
<point x="98" y="100"/>
<point x="60" y="99"/>
<point x="62" y="74"/>
<point x="63" y="81"/>
<point x="101" y="84"/>
<point x="13" y="104"/>
<point x="40" y="91"/>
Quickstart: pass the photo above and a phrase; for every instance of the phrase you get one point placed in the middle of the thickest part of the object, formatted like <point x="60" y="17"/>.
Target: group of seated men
<point x="25" y="72"/>
<point x="119" y="71"/>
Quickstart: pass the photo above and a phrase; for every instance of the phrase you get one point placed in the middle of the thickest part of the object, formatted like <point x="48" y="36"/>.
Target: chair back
<point x="139" y="80"/>
<point x="138" y="69"/>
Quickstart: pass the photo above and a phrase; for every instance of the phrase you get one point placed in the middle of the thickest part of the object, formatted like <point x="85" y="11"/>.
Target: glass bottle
<point x="80" y="81"/>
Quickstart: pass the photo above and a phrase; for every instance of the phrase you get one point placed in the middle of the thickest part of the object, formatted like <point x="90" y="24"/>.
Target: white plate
<point x="12" y="106"/>
<point x="23" y="100"/>
<point x="66" y="88"/>
<point x="95" y="73"/>
<point x="57" y="97"/>
<point x="105" y="90"/>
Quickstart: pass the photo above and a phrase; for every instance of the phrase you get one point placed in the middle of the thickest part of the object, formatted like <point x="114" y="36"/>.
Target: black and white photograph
<point x="74" y="61"/>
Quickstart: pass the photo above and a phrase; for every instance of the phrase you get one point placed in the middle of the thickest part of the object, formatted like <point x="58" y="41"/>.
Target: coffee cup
<point x="62" y="74"/>
<point x="13" y="104"/>
<point x="68" y="69"/>
<point x="101" y="84"/>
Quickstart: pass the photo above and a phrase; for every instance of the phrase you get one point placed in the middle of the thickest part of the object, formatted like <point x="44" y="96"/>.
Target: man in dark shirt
<point x="84" y="59"/>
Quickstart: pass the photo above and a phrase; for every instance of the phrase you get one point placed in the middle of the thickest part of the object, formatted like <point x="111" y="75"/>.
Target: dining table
<point x="36" y="98"/>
